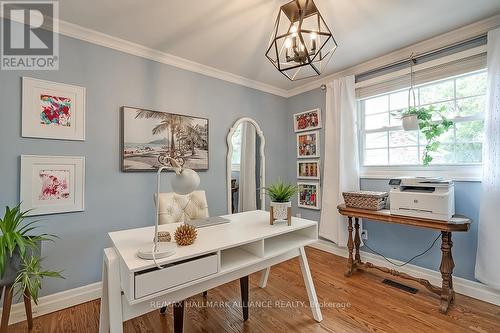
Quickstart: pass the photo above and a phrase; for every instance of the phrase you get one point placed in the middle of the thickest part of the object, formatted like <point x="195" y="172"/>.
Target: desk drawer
<point x="147" y="283"/>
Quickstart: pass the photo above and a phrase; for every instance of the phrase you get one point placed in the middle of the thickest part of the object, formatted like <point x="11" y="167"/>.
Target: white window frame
<point x="459" y="172"/>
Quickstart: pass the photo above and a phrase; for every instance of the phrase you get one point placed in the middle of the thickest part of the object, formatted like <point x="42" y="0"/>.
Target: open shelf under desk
<point x="235" y="258"/>
<point x="279" y="244"/>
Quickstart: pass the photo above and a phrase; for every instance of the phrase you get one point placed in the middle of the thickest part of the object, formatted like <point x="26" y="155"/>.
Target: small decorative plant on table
<point x="421" y="118"/>
<point x="20" y="261"/>
<point x="281" y="207"/>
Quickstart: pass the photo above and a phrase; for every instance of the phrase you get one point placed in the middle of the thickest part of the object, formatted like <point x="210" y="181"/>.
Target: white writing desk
<point x="220" y="254"/>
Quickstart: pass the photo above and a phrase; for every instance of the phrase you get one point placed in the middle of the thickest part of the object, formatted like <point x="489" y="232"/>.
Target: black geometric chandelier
<point x="301" y="44"/>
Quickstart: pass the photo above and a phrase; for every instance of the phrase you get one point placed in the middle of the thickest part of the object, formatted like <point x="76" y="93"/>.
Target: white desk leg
<point x="264" y="275"/>
<point x="114" y="294"/>
<point x="104" y="316"/>
<point x="311" y="292"/>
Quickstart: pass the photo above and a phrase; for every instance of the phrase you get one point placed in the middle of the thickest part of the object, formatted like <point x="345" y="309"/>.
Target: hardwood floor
<point x="357" y="304"/>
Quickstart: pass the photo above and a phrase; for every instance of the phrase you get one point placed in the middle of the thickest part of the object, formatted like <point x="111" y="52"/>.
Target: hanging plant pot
<point x="410" y="122"/>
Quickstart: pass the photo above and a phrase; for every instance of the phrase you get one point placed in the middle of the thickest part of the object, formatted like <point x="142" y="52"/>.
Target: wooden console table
<point x="446" y="292"/>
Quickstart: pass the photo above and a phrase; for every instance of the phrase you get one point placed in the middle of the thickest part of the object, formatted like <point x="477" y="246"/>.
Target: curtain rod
<point x="420" y="56"/>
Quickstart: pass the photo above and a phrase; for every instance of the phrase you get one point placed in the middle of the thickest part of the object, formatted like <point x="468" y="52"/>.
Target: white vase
<point x="280" y="210"/>
<point x="410" y="122"/>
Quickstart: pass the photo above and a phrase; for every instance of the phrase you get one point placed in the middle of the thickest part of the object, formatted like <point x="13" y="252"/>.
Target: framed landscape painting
<point x="52" y="184"/>
<point x="53" y="110"/>
<point x="308" y="195"/>
<point x="308" y="169"/>
<point x="307" y="120"/>
<point x="150" y="138"/>
<point x="308" y="144"/>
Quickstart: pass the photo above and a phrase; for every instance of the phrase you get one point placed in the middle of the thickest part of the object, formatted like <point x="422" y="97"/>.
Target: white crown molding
<point x="437" y="42"/>
<point x="99" y="38"/>
<point x="462" y="286"/>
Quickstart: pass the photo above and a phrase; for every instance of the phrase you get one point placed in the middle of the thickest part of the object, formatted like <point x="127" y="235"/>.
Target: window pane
<point x="395" y="117"/>
<point x="402" y="138"/>
<point x="399" y="100"/>
<point x="471" y="85"/>
<point x="444" y="155"/>
<point x="402" y="156"/>
<point x="436" y="92"/>
<point x="376" y="157"/>
<point x="470" y="131"/>
<point x="376" y="140"/>
<point x="377" y="121"/>
<point x="472" y="105"/>
<point x="376" y="105"/>
<point x="469" y="153"/>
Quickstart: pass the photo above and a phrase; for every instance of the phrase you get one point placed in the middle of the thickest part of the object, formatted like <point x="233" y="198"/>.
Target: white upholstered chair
<point x="182" y="208"/>
<point x="176" y="208"/>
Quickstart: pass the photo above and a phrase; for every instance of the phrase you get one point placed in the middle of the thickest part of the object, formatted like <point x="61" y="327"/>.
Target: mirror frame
<point x="262" y="176"/>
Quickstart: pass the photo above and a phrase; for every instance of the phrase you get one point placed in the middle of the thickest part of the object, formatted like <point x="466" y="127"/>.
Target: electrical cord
<point x="407" y="262"/>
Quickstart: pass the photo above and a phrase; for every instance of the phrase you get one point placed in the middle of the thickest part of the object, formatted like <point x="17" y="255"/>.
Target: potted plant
<point x="280" y="194"/>
<point x="431" y="129"/>
<point x="20" y="261"/>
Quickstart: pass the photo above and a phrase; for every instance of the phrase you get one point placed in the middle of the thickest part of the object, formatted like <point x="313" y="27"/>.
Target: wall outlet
<point x="364" y="234"/>
<point x="299" y="215"/>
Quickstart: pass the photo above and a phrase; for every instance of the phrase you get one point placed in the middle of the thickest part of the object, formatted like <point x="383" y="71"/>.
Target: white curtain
<point x="488" y="248"/>
<point x="247" y="199"/>
<point x="341" y="162"/>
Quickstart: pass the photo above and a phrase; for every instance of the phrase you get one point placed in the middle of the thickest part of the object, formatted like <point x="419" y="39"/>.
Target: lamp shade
<point x="185" y="182"/>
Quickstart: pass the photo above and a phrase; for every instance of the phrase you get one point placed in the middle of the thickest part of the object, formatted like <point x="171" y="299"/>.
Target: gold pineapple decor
<point x="185" y="235"/>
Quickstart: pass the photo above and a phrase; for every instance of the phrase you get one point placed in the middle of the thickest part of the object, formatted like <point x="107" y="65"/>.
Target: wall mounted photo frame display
<point x="52" y="184"/>
<point x="308" y="195"/>
<point x="52" y="110"/>
<point x="308" y="144"/>
<point x="308" y="169"/>
<point x="307" y="120"/>
<point x="149" y="138"/>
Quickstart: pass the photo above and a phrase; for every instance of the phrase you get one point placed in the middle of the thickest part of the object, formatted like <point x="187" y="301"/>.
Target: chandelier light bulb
<point x="288" y="43"/>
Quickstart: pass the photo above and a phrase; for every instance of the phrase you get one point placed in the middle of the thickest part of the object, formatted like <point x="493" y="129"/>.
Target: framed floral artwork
<point x="307" y="120"/>
<point x="308" y="144"/>
<point x="308" y="195"/>
<point x="53" y="110"/>
<point x="308" y="169"/>
<point x="52" y="184"/>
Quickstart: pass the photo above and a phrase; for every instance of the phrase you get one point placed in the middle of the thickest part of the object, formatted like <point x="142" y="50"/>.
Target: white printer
<point x="423" y="197"/>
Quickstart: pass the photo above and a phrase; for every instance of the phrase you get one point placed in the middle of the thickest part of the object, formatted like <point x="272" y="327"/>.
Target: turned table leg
<point x="350" y="246"/>
<point x="446" y="268"/>
<point x="357" y="240"/>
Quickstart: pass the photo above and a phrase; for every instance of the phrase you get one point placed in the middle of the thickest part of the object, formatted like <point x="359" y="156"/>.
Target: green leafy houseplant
<point x="431" y="129"/>
<point x="19" y="252"/>
<point x="280" y="191"/>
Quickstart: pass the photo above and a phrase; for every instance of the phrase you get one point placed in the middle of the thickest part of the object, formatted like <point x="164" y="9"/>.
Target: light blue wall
<point x="394" y="241"/>
<point x="116" y="200"/>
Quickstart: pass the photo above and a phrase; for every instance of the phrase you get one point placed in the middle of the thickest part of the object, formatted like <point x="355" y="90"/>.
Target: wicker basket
<point x="366" y="199"/>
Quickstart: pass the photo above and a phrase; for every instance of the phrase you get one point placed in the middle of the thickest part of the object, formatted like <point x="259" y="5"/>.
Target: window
<point x="383" y="142"/>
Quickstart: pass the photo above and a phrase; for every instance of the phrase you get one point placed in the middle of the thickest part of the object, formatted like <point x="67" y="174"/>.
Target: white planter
<point x="410" y="122"/>
<point x="280" y="210"/>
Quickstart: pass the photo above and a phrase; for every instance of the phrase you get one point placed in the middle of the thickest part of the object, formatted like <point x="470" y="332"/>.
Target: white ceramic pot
<point x="410" y="122"/>
<point x="280" y="210"/>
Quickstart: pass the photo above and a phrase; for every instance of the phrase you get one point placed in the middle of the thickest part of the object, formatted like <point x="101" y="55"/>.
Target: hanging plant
<point x="415" y="118"/>
<point x="431" y="129"/>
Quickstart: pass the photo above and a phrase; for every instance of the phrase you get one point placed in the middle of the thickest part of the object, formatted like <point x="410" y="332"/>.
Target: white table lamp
<point x="184" y="182"/>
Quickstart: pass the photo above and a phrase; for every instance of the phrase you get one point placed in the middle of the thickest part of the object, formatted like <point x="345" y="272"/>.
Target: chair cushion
<point x="174" y="206"/>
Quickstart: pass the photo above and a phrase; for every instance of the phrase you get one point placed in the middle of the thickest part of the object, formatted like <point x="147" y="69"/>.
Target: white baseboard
<point x="57" y="301"/>
<point x="462" y="286"/>
<point x="72" y="297"/>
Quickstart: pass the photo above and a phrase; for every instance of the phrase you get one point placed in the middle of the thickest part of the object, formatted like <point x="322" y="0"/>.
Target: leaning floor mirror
<point x="245" y="167"/>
